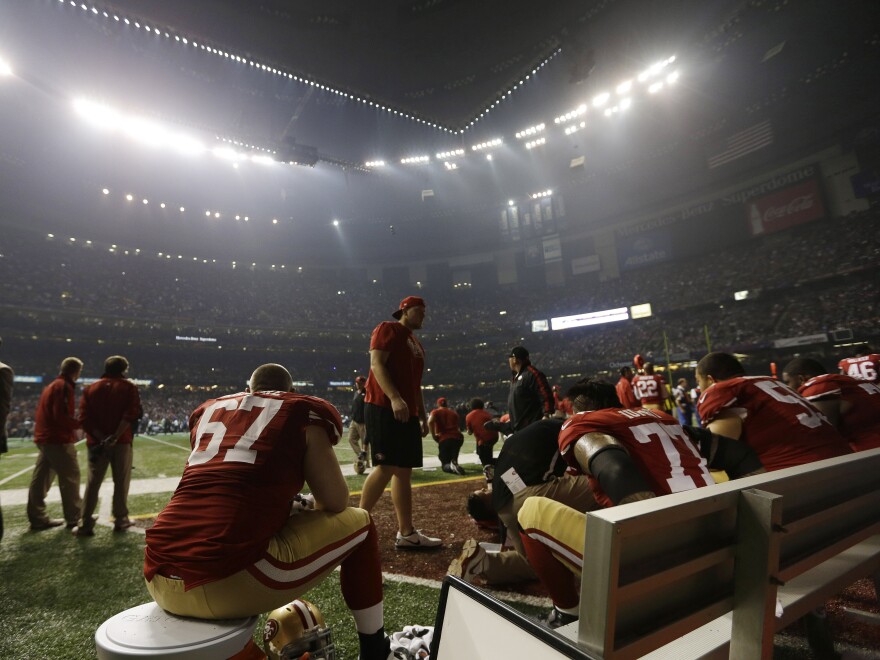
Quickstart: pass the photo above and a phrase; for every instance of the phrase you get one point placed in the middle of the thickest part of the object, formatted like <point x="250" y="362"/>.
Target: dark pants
<point x="485" y="453"/>
<point x="449" y="449"/>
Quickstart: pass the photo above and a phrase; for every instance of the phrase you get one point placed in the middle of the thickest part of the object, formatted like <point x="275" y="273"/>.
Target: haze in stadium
<point x="205" y="187"/>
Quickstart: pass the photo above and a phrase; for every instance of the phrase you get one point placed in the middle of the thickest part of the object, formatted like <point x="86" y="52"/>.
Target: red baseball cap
<point x="406" y="303"/>
<point x="441" y="401"/>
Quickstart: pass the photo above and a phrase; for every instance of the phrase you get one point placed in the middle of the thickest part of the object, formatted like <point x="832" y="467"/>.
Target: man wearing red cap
<point x="395" y="417"/>
<point x="443" y="424"/>
<point x="357" y="430"/>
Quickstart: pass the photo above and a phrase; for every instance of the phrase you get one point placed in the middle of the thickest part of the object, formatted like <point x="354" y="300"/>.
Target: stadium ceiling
<point x="444" y="61"/>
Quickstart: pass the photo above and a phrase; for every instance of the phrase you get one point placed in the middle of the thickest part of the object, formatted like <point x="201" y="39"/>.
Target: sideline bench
<point x="715" y="572"/>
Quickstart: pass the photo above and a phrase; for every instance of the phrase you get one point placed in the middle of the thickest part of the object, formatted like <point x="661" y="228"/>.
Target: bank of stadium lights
<point x="446" y="155"/>
<point x="531" y="130"/>
<point x="623" y="106"/>
<point x="574" y="128"/>
<point x="601" y="99"/>
<point x="571" y="114"/>
<point x="541" y="194"/>
<point x="489" y="144"/>
<point x="240" y="59"/>
<point x="5" y="68"/>
<point x="375" y="163"/>
<point x="507" y="94"/>
<point x="655" y="69"/>
<point x="536" y="143"/>
<point x="450" y="166"/>
<point x="415" y="160"/>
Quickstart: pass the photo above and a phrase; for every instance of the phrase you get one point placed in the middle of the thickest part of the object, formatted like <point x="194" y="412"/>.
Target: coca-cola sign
<point x="784" y="209"/>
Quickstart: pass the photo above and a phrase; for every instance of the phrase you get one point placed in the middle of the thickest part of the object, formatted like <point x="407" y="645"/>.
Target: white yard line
<point x="165" y="442"/>
<point x="30" y="468"/>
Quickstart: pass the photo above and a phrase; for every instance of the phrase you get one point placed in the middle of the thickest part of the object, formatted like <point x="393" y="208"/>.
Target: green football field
<point x="56" y="591"/>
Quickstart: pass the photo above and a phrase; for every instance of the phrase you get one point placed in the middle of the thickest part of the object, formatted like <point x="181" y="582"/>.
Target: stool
<point x="149" y="631"/>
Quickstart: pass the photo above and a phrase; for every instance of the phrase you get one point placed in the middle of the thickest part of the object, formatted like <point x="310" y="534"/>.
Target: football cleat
<point x="469" y="563"/>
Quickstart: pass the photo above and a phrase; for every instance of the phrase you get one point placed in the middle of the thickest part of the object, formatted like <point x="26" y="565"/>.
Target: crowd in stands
<point x="59" y="295"/>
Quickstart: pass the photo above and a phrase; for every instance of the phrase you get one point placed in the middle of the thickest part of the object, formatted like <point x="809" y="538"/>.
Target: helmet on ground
<point x="296" y="630"/>
<point x="360" y="466"/>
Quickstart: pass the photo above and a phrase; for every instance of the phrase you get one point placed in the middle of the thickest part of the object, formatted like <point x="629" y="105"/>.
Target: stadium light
<point x="98" y="114"/>
<point x="624" y="87"/>
<point x="5" y="68"/>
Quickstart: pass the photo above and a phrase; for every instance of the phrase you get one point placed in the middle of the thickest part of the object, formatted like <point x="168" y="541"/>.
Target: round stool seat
<point x="149" y="631"/>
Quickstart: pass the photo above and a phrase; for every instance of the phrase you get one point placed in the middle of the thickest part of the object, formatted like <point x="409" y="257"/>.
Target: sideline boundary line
<point x="164" y="442"/>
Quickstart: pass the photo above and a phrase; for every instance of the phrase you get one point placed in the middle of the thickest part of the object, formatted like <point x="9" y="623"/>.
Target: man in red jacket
<point x="106" y="410"/>
<point x="55" y="432"/>
<point x="625" y="389"/>
<point x="486" y="438"/>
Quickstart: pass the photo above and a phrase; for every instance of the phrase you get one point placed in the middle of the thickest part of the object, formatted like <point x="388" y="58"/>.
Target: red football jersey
<point x="861" y="368"/>
<point x="649" y="389"/>
<point x="782" y="427"/>
<point x="625" y="393"/>
<point x="245" y="468"/>
<point x="860" y="410"/>
<point x="666" y="457"/>
<point x="406" y="362"/>
<point x="474" y="422"/>
<point x="446" y="423"/>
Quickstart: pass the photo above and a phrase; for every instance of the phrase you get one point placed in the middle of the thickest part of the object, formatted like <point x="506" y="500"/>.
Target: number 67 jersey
<point x="782" y="427"/>
<point x="665" y="456"/>
<point x="245" y="467"/>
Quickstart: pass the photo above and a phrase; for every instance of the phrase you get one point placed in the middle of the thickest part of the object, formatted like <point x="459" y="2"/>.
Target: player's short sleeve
<point x="383" y="337"/>
<point x="568" y="437"/>
<point x="817" y="389"/>
<point x="196" y="416"/>
<point x="716" y="400"/>
<point x="323" y="414"/>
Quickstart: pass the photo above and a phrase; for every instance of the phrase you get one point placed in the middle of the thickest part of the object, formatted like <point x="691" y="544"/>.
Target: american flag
<point x="742" y="143"/>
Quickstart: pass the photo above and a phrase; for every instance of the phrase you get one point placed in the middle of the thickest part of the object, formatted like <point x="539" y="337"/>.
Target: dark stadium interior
<point x="359" y="84"/>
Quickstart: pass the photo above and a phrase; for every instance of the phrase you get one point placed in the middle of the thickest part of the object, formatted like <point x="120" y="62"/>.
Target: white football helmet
<point x="296" y="630"/>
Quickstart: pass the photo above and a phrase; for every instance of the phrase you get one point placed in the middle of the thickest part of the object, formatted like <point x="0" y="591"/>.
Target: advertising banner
<point x="587" y="264"/>
<point x="552" y="249"/>
<point x="785" y="208"/>
<point x="651" y="247"/>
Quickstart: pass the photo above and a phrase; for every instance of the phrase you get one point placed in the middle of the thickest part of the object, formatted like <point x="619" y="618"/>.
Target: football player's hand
<point x="400" y="409"/>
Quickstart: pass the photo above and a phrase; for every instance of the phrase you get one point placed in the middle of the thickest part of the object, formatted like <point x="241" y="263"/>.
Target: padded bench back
<point x="657" y="569"/>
